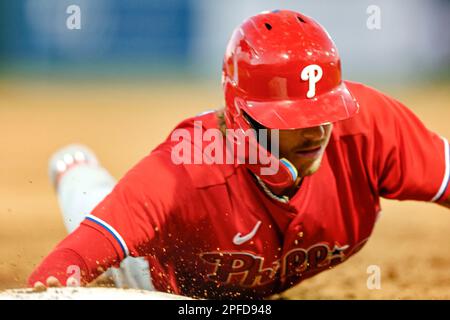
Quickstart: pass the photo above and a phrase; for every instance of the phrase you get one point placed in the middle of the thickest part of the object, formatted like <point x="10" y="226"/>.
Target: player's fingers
<point x="53" y="282"/>
<point x="39" y="286"/>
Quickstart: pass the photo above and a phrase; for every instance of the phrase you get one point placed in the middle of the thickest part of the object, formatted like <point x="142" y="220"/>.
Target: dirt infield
<point x="122" y="123"/>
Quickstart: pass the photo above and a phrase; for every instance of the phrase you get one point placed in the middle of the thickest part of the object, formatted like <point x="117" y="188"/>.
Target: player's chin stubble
<point x="290" y="141"/>
<point x="310" y="169"/>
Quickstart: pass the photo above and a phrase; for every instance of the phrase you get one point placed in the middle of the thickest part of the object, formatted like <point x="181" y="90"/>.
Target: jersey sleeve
<point x="135" y="216"/>
<point x="85" y="248"/>
<point x="410" y="161"/>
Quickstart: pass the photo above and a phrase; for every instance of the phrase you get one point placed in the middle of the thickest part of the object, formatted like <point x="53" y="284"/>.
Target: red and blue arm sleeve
<point x="136" y="214"/>
<point x="130" y="221"/>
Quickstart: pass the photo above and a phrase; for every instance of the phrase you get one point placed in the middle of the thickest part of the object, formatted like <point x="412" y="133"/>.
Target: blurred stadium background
<point x="137" y="68"/>
<point x="189" y="36"/>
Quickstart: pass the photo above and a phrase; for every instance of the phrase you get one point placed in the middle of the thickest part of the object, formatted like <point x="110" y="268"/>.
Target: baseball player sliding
<point x="202" y="218"/>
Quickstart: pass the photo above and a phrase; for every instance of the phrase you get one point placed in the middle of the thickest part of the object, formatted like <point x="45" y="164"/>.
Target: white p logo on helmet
<point x="313" y="73"/>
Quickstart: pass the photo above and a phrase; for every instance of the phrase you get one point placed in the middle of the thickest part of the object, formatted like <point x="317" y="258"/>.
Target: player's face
<point x="305" y="148"/>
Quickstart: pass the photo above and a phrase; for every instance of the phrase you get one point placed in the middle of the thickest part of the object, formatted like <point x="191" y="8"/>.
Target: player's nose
<point x="314" y="133"/>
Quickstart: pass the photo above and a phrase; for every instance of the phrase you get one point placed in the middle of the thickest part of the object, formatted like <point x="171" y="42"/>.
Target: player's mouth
<point x="312" y="152"/>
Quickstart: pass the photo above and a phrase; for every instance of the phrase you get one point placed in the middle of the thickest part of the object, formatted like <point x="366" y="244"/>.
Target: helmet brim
<point x="335" y="105"/>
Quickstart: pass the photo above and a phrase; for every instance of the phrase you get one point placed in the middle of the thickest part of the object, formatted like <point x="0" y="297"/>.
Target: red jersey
<point x="214" y="231"/>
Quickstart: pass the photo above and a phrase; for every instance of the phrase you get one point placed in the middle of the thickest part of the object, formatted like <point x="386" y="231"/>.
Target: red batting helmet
<point x="283" y="70"/>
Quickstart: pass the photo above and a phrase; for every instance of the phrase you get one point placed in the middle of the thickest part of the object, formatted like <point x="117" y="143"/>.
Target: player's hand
<point x="52" y="282"/>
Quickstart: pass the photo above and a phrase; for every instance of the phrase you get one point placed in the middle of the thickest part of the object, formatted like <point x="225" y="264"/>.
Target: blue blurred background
<point x="160" y="37"/>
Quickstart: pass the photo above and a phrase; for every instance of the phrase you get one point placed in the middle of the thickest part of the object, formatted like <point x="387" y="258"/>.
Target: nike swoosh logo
<point x="240" y="239"/>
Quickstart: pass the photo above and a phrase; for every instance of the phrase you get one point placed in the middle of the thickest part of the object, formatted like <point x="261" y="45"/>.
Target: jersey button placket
<point x="299" y="232"/>
<point x="294" y="239"/>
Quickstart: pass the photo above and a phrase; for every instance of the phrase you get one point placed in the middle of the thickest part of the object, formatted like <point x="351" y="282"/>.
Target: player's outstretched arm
<point x="130" y="221"/>
<point x="410" y="161"/>
<point x="80" y="258"/>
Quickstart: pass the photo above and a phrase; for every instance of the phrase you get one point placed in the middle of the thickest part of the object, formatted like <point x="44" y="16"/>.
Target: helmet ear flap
<point x="285" y="173"/>
<point x="237" y="119"/>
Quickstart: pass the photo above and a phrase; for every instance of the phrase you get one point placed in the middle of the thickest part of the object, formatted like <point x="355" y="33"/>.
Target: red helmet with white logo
<point x="283" y="70"/>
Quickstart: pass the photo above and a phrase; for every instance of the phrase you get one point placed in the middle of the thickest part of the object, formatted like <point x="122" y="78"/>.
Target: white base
<point x="88" y="294"/>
